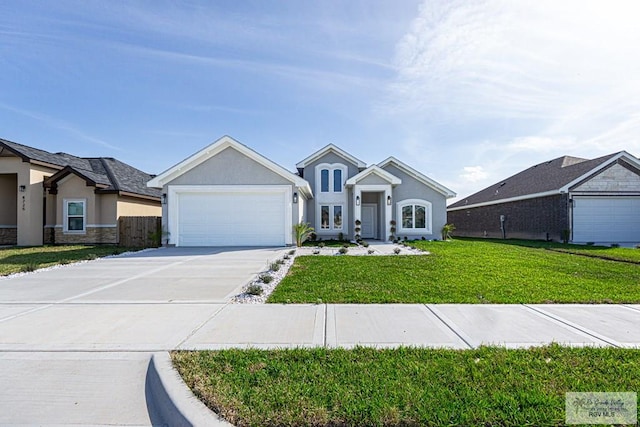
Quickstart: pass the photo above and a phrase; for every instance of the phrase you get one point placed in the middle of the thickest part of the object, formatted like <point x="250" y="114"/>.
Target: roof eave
<point x="419" y="176"/>
<point x="331" y="147"/>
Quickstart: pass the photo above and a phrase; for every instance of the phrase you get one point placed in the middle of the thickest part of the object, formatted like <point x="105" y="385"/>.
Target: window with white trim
<point x="75" y="216"/>
<point x="414" y="215"/>
<point x="331" y="177"/>
<point x="331" y="217"/>
<point x="324" y="180"/>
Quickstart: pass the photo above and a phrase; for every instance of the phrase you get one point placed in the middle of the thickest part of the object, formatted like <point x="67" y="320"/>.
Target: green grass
<point x="462" y="271"/>
<point x="407" y="386"/>
<point x="604" y="252"/>
<point x="15" y="260"/>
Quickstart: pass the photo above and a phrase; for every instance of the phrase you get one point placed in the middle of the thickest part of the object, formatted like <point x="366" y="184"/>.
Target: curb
<point x="169" y="400"/>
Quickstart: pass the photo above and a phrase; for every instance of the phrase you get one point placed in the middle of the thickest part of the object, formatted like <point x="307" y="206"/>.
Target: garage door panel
<point x="231" y="219"/>
<point x="606" y="219"/>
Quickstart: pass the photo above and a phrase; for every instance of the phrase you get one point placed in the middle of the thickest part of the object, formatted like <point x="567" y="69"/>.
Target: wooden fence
<point x="140" y="231"/>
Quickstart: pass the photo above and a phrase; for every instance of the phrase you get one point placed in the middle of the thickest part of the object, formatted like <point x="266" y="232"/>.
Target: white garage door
<point x="606" y="219"/>
<point x="247" y="218"/>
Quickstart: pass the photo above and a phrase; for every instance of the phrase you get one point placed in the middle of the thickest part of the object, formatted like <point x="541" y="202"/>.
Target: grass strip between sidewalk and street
<point x="25" y="259"/>
<point x="405" y="386"/>
<point x="465" y="271"/>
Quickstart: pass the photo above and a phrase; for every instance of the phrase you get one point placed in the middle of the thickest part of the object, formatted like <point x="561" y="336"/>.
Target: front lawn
<point x="16" y="260"/>
<point x="406" y="386"/>
<point x="463" y="271"/>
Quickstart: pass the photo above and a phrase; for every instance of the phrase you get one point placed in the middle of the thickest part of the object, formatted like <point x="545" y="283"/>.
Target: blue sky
<point x="468" y="92"/>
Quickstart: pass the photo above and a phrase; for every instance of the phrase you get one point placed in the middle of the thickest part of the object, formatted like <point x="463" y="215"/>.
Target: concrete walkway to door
<point x="75" y="342"/>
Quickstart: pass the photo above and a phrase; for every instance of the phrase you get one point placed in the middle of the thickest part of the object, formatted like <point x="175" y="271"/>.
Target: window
<point x="75" y="215"/>
<point x="415" y="215"/>
<point x="337" y="181"/>
<point x="324" y="180"/>
<point x="330" y="177"/>
<point x="328" y="222"/>
<point x="337" y="217"/>
<point x="324" y="224"/>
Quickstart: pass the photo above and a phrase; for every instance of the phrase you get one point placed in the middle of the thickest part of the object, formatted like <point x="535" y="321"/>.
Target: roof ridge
<point x="110" y="174"/>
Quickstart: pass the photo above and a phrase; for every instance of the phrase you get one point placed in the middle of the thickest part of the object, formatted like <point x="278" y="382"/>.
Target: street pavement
<point x="75" y="342"/>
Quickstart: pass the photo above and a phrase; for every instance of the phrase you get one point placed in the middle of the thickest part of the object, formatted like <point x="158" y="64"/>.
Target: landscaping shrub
<point x="255" y="289"/>
<point x="274" y="266"/>
<point x="344" y="250"/>
<point x="396" y="251"/>
<point x="265" y="278"/>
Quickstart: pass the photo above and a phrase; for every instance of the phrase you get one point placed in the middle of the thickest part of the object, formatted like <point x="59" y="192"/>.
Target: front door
<point x="369" y="221"/>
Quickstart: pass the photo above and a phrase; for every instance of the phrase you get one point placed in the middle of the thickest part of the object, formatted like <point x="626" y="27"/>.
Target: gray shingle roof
<point x="105" y="171"/>
<point x="547" y="176"/>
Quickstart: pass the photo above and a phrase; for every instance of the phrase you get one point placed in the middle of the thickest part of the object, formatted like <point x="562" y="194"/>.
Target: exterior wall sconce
<point x="389" y="200"/>
<point x="295" y="197"/>
<point x="22" y="188"/>
<point x="357" y="200"/>
<point x="164" y="198"/>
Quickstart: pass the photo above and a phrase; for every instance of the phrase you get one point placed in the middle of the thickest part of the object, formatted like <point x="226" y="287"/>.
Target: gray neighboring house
<point x="584" y="200"/>
<point x="229" y="195"/>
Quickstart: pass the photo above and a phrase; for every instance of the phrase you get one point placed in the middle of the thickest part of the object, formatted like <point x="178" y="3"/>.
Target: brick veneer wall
<point x="539" y="219"/>
<point x="8" y="236"/>
<point x="93" y="235"/>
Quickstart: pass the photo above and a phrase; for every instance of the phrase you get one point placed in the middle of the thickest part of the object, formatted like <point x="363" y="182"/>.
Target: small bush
<point x="345" y="245"/>
<point x="280" y="261"/>
<point x="423" y="238"/>
<point x="286" y="256"/>
<point x="615" y="245"/>
<point x="370" y="251"/>
<point x="344" y="250"/>
<point x="341" y="236"/>
<point x="590" y="243"/>
<point x="406" y="238"/>
<point x="321" y="245"/>
<point x="65" y="262"/>
<point x="292" y="252"/>
<point x="255" y="289"/>
<point x="357" y="237"/>
<point x="274" y="266"/>
<point x="265" y="278"/>
<point x="316" y="251"/>
<point x="396" y="251"/>
<point x="28" y="268"/>
<point x="91" y="256"/>
<point x="358" y="222"/>
<point x="365" y="244"/>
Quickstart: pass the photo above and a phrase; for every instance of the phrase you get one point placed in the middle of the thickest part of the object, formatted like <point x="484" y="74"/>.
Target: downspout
<point x="504" y="232"/>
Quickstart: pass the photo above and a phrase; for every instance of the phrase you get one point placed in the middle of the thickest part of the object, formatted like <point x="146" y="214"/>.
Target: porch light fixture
<point x="22" y="188"/>
<point x="295" y="197"/>
<point x="357" y="200"/>
<point x="389" y="200"/>
<point x="164" y="198"/>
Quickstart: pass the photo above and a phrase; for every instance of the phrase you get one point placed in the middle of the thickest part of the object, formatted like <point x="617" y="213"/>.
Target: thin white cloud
<point x="61" y="125"/>
<point x="508" y="84"/>
<point x="473" y="173"/>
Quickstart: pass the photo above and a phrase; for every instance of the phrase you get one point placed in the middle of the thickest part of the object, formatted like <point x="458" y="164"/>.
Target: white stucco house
<point x="229" y="195"/>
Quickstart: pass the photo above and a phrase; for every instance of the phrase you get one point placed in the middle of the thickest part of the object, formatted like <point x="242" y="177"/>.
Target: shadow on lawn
<point x="602" y="252"/>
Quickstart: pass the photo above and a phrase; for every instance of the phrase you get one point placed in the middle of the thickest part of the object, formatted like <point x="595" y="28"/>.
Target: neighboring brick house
<point x="583" y="200"/>
<point x="60" y="198"/>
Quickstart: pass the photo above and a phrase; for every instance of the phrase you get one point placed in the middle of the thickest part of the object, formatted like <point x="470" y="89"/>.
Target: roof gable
<point x="216" y="148"/>
<point x="374" y="170"/>
<point x="417" y="175"/>
<point x="334" y="149"/>
<point x="544" y="179"/>
<point x="108" y="175"/>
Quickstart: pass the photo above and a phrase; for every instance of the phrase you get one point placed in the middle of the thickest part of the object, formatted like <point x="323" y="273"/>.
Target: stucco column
<point x="388" y="212"/>
<point x="357" y="208"/>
